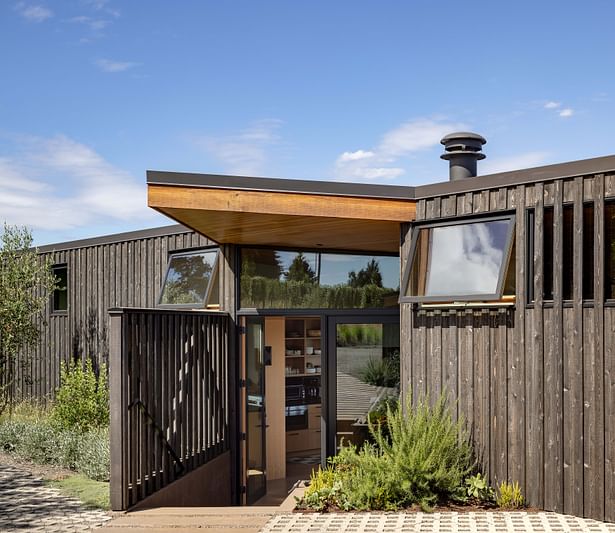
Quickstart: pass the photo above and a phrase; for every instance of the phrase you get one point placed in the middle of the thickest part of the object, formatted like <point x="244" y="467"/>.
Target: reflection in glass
<point x="278" y="279"/>
<point x="367" y="358"/>
<point x="60" y="293"/>
<point x="609" y="249"/>
<point x="459" y="260"/>
<point x="255" y="417"/>
<point x="188" y="278"/>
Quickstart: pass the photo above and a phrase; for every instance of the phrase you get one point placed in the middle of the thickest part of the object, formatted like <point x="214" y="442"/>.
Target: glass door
<point x="364" y="373"/>
<point x="255" y="416"/>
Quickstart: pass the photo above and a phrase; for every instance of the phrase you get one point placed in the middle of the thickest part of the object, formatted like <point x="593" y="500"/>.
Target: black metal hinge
<point x="242" y="330"/>
<point x="242" y="436"/>
<point x="242" y="383"/>
<point x="242" y="489"/>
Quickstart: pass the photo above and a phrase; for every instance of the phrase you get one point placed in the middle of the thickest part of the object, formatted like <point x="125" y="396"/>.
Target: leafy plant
<point x="25" y="283"/>
<point x="478" y="488"/>
<point x="82" y="401"/>
<point x="380" y="372"/>
<point x="43" y="442"/>
<point x="510" y="496"/>
<point x="422" y="456"/>
<point x="320" y="492"/>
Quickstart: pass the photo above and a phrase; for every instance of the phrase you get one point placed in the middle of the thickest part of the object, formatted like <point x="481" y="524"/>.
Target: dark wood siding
<point x="101" y="276"/>
<point x="535" y="382"/>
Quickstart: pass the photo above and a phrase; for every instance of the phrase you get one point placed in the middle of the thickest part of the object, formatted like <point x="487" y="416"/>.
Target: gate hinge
<point x="242" y="383"/>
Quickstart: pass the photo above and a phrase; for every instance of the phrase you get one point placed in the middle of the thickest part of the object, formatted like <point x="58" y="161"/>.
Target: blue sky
<point x="95" y="92"/>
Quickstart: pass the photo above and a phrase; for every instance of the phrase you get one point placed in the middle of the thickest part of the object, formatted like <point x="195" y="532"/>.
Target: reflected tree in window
<point x="188" y="278"/>
<point x="370" y="275"/>
<point x="300" y="270"/>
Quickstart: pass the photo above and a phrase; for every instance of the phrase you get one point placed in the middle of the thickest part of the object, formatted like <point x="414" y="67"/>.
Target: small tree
<point x="25" y="283"/>
<point x="370" y="275"/>
<point x="300" y="270"/>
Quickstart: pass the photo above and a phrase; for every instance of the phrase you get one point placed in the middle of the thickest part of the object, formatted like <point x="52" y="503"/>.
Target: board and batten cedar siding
<point x="114" y="271"/>
<point x="535" y="382"/>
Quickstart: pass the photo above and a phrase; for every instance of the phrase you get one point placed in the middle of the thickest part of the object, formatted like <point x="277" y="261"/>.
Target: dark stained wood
<point x="100" y="277"/>
<point x="609" y="409"/>
<point x="553" y="436"/>
<point x="149" y="427"/>
<point x="550" y="366"/>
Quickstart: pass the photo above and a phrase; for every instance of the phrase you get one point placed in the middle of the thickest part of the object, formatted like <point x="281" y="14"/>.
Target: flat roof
<point x="172" y="229"/>
<point x="569" y="169"/>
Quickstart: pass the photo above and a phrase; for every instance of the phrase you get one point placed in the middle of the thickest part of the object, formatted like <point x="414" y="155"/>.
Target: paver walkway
<point x="27" y="504"/>
<point x="445" y="522"/>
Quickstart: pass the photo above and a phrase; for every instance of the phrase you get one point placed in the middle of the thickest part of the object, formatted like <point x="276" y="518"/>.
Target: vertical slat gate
<point x="169" y="398"/>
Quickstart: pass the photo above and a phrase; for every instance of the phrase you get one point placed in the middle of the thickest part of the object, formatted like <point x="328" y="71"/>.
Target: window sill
<point x="465" y="305"/>
<point x="59" y="313"/>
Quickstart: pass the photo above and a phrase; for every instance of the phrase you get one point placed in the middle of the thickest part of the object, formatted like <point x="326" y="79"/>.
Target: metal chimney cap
<point x="459" y="135"/>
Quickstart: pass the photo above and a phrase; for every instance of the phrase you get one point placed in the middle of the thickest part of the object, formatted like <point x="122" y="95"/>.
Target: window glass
<point x="460" y="260"/>
<point x="547" y="254"/>
<point x="60" y="294"/>
<point x="568" y="252"/>
<point x="609" y="249"/>
<point x="188" y="277"/>
<point x="280" y="279"/>
<point x="588" y="251"/>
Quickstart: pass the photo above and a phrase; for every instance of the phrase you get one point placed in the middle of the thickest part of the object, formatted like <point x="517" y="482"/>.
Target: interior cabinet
<point x="303" y="348"/>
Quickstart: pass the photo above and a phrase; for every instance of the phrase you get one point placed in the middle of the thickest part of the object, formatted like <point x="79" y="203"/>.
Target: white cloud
<point x="57" y="183"/>
<point x="244" y="152"/>
<point x="32" y="12"/>
<point x="380" y="163"/>
<point x="355" y="156"/>
<point x="108" y="65"/>
<point x="565" y="113"/>
<point x="552" y="105"/>
<point x="516" y="162"/>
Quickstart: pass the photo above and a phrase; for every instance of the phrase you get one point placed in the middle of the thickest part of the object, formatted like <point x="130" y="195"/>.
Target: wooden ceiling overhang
<point x="286" y="218"/>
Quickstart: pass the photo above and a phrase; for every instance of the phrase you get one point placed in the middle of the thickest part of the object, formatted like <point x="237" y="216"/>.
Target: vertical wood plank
<point x="534" y="374"/>
<point x="573" y="369"/>
<point x="516" y="362"/>
<point x="553" y="442"/>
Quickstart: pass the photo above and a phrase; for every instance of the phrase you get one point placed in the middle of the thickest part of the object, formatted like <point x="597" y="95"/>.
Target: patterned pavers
<point x="27" y="504"/>
<point x="445" y="522"/>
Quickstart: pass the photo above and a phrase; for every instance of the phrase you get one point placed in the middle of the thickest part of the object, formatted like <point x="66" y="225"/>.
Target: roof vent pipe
<point x="462" y="151"/>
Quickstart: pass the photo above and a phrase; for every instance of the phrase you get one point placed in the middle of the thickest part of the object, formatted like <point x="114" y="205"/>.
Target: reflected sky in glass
<point x="466" y="258"/>
<point x="334" y="268"/>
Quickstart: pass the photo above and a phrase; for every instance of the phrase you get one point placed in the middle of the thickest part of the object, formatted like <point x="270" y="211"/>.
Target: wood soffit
<point x="286" y="219"/>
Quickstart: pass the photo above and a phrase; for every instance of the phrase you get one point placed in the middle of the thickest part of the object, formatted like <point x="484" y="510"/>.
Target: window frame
<point x="456" y="221"/>
<point x="54" y="269"/>
<point x="302" y="310"/>
<point x="185" y="253"/>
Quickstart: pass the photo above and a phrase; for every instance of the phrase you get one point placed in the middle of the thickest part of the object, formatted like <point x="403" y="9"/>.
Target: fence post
<point x="117" y="411"/>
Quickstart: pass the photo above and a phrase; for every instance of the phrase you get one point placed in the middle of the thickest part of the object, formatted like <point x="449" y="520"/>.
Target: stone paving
<point x="27" y="504"/>
<point x="444" y="522"/>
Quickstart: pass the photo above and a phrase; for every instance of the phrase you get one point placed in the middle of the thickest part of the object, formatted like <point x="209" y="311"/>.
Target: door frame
<point x="243" y="402"/>
<point x="330" y="405"/>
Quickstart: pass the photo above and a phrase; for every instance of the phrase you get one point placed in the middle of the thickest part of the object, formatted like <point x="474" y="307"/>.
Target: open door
<point x="254" y="419"/>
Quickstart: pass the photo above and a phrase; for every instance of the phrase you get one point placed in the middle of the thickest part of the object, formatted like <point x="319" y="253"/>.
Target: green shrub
<point x="43" y="442"/>
<point x="421" y="457"/>
<point x="380" y="372"/>
<point x="321" y="491"/>
<point x="478" y="488"/>
<point x="82" y="401"/>
<point x="510" y="496"/>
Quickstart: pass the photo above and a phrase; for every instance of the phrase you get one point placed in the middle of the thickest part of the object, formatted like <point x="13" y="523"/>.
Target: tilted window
<point x="461" y="260"/>
<point x="190" y="279"/>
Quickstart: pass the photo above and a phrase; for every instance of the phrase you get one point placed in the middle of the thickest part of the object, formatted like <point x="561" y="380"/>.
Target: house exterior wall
<point x="114" y="271"/>
<point x="536" y="381"/>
